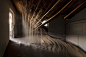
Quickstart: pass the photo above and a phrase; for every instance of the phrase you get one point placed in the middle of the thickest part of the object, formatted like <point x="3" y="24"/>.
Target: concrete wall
<point x="76" y="29"/>
<point x="4" y="25"/>
<point x="17" y="21"/>
<point x="57" y="27"/>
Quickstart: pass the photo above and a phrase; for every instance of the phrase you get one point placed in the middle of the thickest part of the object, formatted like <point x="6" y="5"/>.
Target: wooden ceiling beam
<point x="36" y="9"/>
<point x="53" y="15"/>
<point x="44" y="9"/>
<point x="71" y="4"/>
<point x="47" y="12"/>
<point x="74" y="10"/>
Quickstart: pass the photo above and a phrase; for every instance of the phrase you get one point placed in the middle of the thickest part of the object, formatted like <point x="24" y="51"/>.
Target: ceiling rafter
<point x="54" y="15"/>
<point x="37" y="11"/>
<point x="74" y="10"/>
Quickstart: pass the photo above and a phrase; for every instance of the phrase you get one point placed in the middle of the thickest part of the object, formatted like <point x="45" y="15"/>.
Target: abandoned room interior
<point x="42" y="28"/>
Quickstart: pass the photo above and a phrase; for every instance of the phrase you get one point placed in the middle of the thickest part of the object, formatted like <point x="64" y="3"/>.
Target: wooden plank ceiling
<point x="40" y="10"/>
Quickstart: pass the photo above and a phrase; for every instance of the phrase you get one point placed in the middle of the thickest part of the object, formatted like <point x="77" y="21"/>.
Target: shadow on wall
<point x="57" y="28"/>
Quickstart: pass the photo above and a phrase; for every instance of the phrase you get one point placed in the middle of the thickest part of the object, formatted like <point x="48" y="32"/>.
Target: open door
<point x="11" y="25"/>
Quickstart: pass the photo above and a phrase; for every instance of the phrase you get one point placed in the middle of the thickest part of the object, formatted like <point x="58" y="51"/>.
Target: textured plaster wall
<point x="76" y="29"/>
<point x="4" y="25"/>
<point x="57" y="27"/>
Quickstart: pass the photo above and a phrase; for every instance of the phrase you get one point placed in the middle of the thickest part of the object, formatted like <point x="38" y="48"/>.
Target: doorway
<point x="11" y="25"/>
